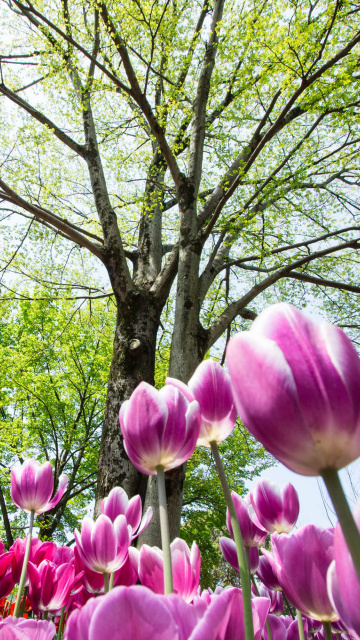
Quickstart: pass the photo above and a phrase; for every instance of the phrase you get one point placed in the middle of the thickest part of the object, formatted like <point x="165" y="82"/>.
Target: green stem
<point x="327" y="630"/>
<point x="247" y="557"/>
<point x="112" y="577"/>
<point x="61" y="624"/>
<point x="165" y="535"/>
<point x="46" y="615"/>
<point x="106" y="582"/>
<point x="244" y="574"/>
<point x="347" y="522"/>
<point x="24" y="567"/>
<point x="22" y="608"/>
<point x="300" y="625"/>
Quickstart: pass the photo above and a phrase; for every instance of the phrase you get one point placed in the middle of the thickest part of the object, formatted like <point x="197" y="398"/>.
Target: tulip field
<point x="295" y="384"/>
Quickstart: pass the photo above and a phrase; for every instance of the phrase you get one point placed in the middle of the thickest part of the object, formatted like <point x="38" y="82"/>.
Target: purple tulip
<point x="160" y="428"/>
<point x="277" y="628"/>
<point x="275" y="597"/>
<point x="343" y="585"/>
<point x="211" y="387"/>
<point x="252" y="534"/>
<point x="275" y="510"/>
<point x="32" y="486"/>
<point x="6" y="584"/>
<point x="62" y="555"/>
<point x="117" y="503"/>
<point x="267" y="575"/>
<point x="228" y="549"/>
<point x="39" y="551"/>
<point x="22" y="629"/>
<point x="304" y="581"/>
<point x="293" y="630"/>
<point x="186" y="565"/>
<point x="50" y="586"/>
<point x="94" y="581"/>
<point x="296" y="387"/>
<point x="103" y="545"/>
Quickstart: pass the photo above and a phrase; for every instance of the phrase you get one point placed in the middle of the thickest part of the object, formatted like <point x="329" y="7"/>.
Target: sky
<point x="312" y="492"/>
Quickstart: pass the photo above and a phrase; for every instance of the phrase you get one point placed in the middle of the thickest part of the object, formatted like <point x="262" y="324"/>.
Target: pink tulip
<point x="50" y="586"/>
<point x="160" y="428"/>
<point x="275" y="597"/>
<point x="6" y="584"/>
<point x="275" y="510"/>
<point x="103" y="545"/>
<point x="22" y="629"/>
<point x="94" y="581"/>
<point x="252" y="534"/>
<point x="185" y="564"/>
<point x="39" y="551"/>
<point x="228" y="549"/>
<point x="117" y="503"/>
<point x="62" y="555"/>
<point x="296" y="387"/>
<point x="267" y="575"/>
<point x="210" y="386"/>
<point x="32" y="486"/>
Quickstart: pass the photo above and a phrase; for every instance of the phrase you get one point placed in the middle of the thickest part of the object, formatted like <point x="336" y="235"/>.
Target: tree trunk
<point x="133" y="361"/>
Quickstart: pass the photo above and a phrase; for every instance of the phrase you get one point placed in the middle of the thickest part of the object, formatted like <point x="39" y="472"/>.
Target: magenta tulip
<point x="32" y="486"/>
<point x="160" y="428"/>
<point x="21" y="629"/>
<point x="117" y="503"/>
<point x="267" y="575"/>
<point x="228" y="549"/>
<point x="277" y="628"/>
<point x="103" y="545"/>
<point x="6" y="584"/>
<point x="275" y="597"/>
<point x="296" y="387"/>
<point x="39" y="551"/>
<point x="275" y="510"/>
<point x="252" y="534"/>
<point x="343" y="585"/>
<point x="50" y="586"/>
<point x="211" y="387"/>
<point x="186" y="565"/>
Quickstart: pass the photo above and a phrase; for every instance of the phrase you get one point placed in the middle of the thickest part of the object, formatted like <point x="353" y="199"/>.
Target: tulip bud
<point x="32" y="486"/>
<point x="275" y="510"/>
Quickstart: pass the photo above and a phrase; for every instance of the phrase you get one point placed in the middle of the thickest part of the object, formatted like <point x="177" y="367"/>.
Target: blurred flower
<point x="275" y="597"/>
<point x="296" y="387"/>
<point x="160" y="428"/>
<point x="22" y="629"/>
<point x="267" y="575"/>
<point x="186" y="565"/>
<point x="275" y="510"/>
<point x="252" y="534"/>
<point x="32" y="486"/>
<point x="210" y="386"/>
<point x="103" y="545"/>
<point x="117" y="503"/>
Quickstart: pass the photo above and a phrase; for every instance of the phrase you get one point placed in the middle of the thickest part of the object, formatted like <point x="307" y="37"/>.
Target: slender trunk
<point x="133" y="361"/>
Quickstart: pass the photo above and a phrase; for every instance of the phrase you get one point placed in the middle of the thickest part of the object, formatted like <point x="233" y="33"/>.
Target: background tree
<point x="205" y="155"/>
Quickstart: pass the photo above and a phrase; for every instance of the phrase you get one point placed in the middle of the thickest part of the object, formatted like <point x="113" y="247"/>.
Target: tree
<point x="205" y="155"/>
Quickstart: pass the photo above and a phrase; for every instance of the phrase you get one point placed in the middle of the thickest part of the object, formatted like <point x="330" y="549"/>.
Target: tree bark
<point x="133" y="361"/>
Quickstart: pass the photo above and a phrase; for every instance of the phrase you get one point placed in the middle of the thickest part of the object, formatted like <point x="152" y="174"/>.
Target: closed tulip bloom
<point x="210" y="386"/>
<point x="32" y="486"/>
<point x="277" y="628"/>
<point x="228" y="549"/>
<point x="160" y="428"/>
<point x="50" y="586"/>
<point x="117" y="503"/>
<point x="267" y="575"/>
<point x="6" y="584"/>
<point x="103" y="545"/>
<point x="22" y="629"/>
<point x="252" y="534"/>
<point x="186" y="565"/>
<point x="343" y="585"/>
<point x="275" y="597"/>
<point x="39" y="551"/>
<point x="296" y="387"/>
<point x="275" y="510"/>
<point x="303" y="561"/>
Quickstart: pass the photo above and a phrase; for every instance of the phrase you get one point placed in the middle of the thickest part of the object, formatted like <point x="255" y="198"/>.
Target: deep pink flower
<point x="160" y="428"/>
<point x="50" y="586"/>
<point x="103" y="545"/>
<point x="296" y="387"/>
<point x="23" y="629"/>
<point x="266" y="573"/>
<point x="275" y="597"/>
<point x="6" y="584"/>
<point x="117" y="503"/>
<point x="186" y="565"/>
<point x="275" y="510"/>
<point x="211" y="387"/>
<point x="32" y="486"/>
<point x="62" y="555"/>
<point x="94" y="581"/>
<point x="342" y="581"/>
<point x="228" y="549"/>
<point x="277" y="628"/>
<point x="252" y="534"/>
<point x="39" y="551"/>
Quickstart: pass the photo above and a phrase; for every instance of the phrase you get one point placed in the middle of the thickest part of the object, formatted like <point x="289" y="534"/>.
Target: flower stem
<point x="347" y="522"/>
<point x="244" y="573"/>
<point x="258" y="594"/>
<point x="22" y="608"/>
<point x="165" y="535"/>
<point x="106" y="582"/>
<point x="61" y="624"/>
<point x="327" y="630"/>
<point x="300" y="625"/>
<point x="25" y="564"/>
<point x="112" y="577"/>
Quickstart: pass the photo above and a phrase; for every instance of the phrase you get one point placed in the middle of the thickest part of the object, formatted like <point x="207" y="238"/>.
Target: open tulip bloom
<point x="275" y="510"/>
<point x="117" y="503"/>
